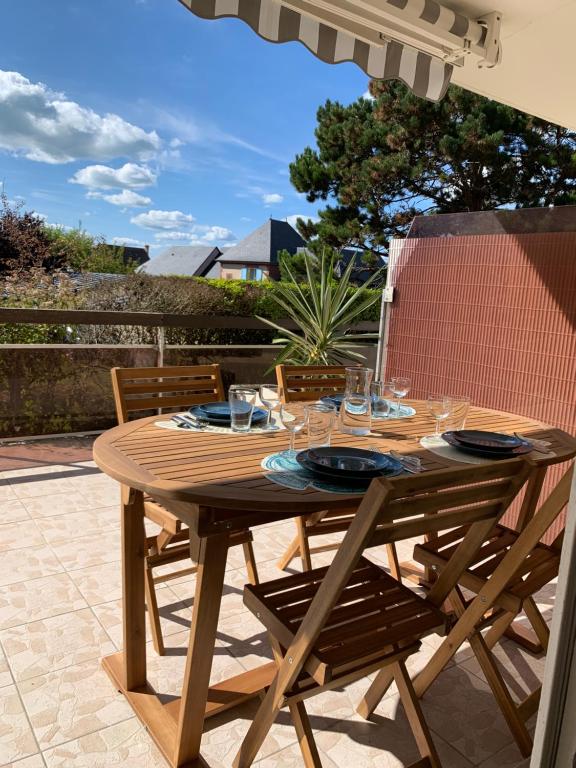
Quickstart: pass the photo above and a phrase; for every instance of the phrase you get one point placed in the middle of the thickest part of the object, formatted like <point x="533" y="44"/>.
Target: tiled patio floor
<point x="60" y="596"/>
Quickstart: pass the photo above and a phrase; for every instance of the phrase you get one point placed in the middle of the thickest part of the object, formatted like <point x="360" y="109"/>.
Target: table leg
<point x="209" y="586"/>
<point x="134" y="612"/>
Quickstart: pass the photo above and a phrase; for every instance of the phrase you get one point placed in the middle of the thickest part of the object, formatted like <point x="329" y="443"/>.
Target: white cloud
<point x="272" y="198"/>
<point x="199" y="234"/>
<point x="163" y="220"/>
<point x="368" y="96"/>
<point x="295" y="216"/>
<point x="45" y="126"/>
<point x="127" y="241"/>
<point x="127" y="198"/>
<point x="129" y="176"/>
<point x="187" y="129"/>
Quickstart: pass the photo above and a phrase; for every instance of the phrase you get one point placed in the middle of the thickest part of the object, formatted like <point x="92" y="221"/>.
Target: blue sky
<point x="150" y="125"/>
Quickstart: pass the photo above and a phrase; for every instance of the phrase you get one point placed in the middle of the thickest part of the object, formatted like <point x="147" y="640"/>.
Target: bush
<point x="146" y="293"/>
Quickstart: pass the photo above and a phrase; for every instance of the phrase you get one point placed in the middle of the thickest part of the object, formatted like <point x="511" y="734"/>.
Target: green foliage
<point x="82" y="252"/>
<point x="139" y="293"/>
<point x="23" y="241"/>
<point x="324" y="315"/>
<point x="381" y="162"/>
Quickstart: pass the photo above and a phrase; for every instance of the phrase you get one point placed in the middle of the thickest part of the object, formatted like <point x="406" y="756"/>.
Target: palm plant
<point x="324" y="314"/>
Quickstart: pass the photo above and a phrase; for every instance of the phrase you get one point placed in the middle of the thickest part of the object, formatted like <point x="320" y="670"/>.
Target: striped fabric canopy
<point x="381" y="58"/>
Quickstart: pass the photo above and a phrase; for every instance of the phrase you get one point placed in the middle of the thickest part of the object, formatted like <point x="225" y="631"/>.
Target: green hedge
<point x="145" y="293"/>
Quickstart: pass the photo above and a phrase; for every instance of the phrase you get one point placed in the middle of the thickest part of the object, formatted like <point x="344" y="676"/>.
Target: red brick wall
<point x="489" y="316"/>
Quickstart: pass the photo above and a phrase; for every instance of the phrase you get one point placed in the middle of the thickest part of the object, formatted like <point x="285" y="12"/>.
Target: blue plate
<point x="335" y="399"/>
<point x="219" y="413"/>
<point x="496" y="441"/>
<point x="489" y="453"/>
<point x="348" y="463"/>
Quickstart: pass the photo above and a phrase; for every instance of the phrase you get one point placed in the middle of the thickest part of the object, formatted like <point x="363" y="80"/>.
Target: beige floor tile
<point x="35" y="761"/>
<point x="99" y="583"/>
<point x="52" y="644"/>
<point x="56" y="504"/>
<point x="12" y="511"/>
<point x="509" y="757"/>
<point x="174" y="616"/>
<point x="386" y="741"/>
<point x="460" y="708"/>
<point x="38" y="599"/>
<point x="96" y="549"/>
<point x="125" y="744"/>
<point x="166" y="673"/>
<point x="522" y="671"/>
<point x="100" y="492"/>
<point x="38" y="486"/>
<point x="291" y="757"/>
<point x="16" y="738"/>
<point x="224" y="734"/>
<point x="5" y="676"/>
<point x="19" y="535"/>
<point x="232" y="601"/>
<point x="245" y="638"/>
<point x="6" y="491"/>
<point x="71" y="703"/>
<point x="29" y="563"/>
<point x="76" y="525"/>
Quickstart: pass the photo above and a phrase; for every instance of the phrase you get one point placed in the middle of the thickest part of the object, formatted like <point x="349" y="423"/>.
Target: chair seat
<point x="374" y="617"/>
<point x="536" y="571"/>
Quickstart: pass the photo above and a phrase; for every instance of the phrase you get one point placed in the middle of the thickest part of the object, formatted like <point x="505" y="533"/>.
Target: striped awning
<point x="334" y="35"/>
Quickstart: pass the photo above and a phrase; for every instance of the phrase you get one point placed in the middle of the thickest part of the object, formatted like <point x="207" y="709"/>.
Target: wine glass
<point x="440" y="407"/>
<point x="270" y="398"/>
<point x="400" y="388"/>
<point x="294" y="417"/>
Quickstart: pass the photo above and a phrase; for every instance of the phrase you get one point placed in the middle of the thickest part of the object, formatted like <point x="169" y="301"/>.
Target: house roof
<point x="262" y="245"/>
<point x="190" y="260"/>
<point x="130" y="253"/>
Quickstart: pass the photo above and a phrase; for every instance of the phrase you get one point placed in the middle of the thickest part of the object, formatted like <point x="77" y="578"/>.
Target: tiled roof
<point x="262" y="245"/>
<point x="190" y="260"/>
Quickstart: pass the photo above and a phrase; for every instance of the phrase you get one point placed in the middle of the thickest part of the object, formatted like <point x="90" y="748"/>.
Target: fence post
<point x="161" y="341"/>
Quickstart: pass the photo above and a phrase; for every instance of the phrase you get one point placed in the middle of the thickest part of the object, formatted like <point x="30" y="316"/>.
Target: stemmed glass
<point x="400" y="386"/>
<point x="270" y="398"/>
<point x="440" y="407"/>
<point x="294" y="417"/>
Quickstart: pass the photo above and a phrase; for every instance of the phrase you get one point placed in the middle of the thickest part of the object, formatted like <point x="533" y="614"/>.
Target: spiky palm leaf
<point x="323" y="316"/>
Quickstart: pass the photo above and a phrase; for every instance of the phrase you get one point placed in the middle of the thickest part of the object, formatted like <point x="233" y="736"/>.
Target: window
<point x="252" y="273"/>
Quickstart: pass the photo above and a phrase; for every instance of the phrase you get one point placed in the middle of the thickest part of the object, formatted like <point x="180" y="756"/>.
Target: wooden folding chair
<point x="138" y="390"/>
<point x="331" y="626"/>
<point x="505" y="574"/>
<point x="308" y="383"/>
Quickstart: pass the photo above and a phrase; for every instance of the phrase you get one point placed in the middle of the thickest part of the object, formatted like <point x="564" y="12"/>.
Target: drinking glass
<point x="400" y="388"/>
<point x="270" y="399"/>
<point x="241" y="401"/>
<point x="321" y="418"/>
<point x="459" y="413"/>
<point x="380" y="406"/>
<point x="294" y="417"/>
<point x="440" y="407"/>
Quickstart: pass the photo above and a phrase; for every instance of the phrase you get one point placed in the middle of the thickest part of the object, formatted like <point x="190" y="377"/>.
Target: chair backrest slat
<point x="422" y="509"/>
<point x="309" y="382"/>
<point x="146" y="389"/>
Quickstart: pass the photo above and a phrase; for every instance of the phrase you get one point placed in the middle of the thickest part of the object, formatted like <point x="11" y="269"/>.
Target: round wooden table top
<point x="224" y="470"/>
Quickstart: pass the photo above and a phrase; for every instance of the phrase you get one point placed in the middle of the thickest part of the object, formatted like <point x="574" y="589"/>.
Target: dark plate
<point x="335" y="399"/>
<point x="489" y="440"/>
<point x="489" y="453"/>
<point x="335" y="476"/>
<point x="349" y="462"/>
<point x="219" y="413"/>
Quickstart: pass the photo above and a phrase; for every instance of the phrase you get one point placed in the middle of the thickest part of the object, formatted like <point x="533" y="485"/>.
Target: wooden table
<point x="214" y="483"/>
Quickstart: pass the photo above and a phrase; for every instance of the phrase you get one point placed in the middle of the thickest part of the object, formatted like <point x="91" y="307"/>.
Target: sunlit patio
<point x="60" y="613"/>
